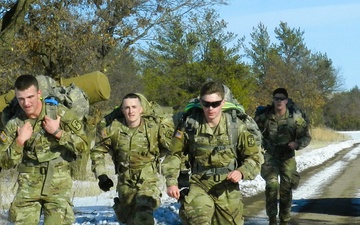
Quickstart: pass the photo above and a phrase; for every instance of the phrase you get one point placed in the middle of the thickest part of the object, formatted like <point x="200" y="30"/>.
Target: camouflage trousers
<point x="29" y="201"/>
<point x="271" y="171"/>
<point x="212" y="202"/>
<point x="138" y="196"/>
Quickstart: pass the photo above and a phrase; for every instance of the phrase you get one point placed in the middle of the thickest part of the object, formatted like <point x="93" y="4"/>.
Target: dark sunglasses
<point x="279" y="98"/>
<point x="212" y="104"/>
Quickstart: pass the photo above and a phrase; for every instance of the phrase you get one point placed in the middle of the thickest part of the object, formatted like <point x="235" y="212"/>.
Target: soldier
<point x="135" y="142"/>
<point x="42" y="148"/>
<point x="285" y="129"/>
<point x="217" y="164"/>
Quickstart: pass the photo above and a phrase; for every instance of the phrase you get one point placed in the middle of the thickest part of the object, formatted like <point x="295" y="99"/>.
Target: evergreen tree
<point x="184" y="57"/>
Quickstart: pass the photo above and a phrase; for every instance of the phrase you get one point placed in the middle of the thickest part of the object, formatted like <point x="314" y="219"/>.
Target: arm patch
<point x="3" y="136"/>
<point x="179" y="134"/>
<point x="76" y="124"/>
<point x="251" y="140"/>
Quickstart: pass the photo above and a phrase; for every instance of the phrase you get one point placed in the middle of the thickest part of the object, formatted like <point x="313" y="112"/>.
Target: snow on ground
<point x="97" y="209"/>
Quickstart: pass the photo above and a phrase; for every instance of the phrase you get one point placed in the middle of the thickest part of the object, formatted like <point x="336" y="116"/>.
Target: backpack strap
<point x="233" y="130"/>
<point x="191" y="125"/>
<point x="152" y="130"/>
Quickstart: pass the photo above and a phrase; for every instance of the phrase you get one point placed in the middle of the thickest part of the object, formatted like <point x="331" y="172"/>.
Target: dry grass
<point x="322" y="136"/>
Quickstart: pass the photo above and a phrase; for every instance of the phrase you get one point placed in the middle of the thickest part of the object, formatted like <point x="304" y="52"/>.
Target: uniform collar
<point x="220" y="129"/>
<point x="140" y="128"/>
<point x="286" y="115"/>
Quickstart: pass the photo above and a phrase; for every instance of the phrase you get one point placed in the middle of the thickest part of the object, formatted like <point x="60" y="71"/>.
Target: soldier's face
<point x="212" y="105"/>
<point x="280" y="101"/>
<point x="132" y="110"/>
<point x="29" y="101"/>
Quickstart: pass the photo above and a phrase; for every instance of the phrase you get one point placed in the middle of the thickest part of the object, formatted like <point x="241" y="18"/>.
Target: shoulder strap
<point x="188" y="122"/>
<point x="294" y="111"/>
<point x="233" y="130"/>
<point x="152" y="129"/>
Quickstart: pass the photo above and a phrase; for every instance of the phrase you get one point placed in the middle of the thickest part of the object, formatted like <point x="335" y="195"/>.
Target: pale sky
<point x="330" y="26"/>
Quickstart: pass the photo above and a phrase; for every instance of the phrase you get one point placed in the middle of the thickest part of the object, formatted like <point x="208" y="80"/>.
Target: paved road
<point x="328" y="194"/>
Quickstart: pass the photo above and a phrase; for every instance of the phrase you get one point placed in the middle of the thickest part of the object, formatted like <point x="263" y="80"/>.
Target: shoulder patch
<point x="76" y="124"/>
<point x="299" y="120"/>
<point x="251" y="140"/>
<point x="179" y="134"/>
<point x="3" y="136"/>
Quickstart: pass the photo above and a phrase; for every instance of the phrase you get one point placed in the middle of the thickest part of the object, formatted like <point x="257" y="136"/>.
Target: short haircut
<point x="280" y="91"/>
<point x="131" y="95"/>
<point x="23" y="82"/>
<point x="211" y="88"/>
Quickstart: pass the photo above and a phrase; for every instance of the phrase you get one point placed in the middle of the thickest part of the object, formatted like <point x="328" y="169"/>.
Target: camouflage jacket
<point x="42" y="146"/>
<point x="211" y="149"/>
<point x="130" y="148"/>
<point x="278" y="132"/>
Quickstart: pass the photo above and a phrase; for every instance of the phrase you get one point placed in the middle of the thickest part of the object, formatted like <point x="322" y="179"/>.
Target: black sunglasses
<point x="279" y="98"/>
<point x="212" y="104"/>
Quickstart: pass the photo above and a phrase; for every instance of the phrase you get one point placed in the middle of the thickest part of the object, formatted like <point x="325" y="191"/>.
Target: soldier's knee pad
<point x="182" y="215"/>
<point x="148" y="201"/>
<point x="197" y="212"/>
<point x="143" y="215"/>
<point x="272" y="181"/>
<point x="121" y="213"/>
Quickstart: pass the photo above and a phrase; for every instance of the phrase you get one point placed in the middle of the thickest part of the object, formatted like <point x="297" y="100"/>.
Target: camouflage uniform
<point x="136" y="155"/>
<point x="212" y="199"/>
<point x="280" y="159"/>
<point x="43" y="164"/>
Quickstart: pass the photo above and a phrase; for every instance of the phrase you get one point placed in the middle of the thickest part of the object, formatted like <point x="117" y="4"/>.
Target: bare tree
<point x="66" y="38"/>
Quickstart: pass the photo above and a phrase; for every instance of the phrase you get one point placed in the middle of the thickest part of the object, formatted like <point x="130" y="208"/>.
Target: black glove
<point x="0" y="169"/>
<point x="105" y="183"/>
<point x="116" y="201"/>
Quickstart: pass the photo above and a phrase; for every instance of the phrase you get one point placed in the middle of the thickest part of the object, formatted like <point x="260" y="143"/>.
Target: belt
<point x="37" y="169"/>
<point x="32" y="169"/>
<point x="199" y="169"/>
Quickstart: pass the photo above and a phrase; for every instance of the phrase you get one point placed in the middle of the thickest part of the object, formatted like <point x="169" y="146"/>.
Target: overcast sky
<point x="330" y="26"/>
